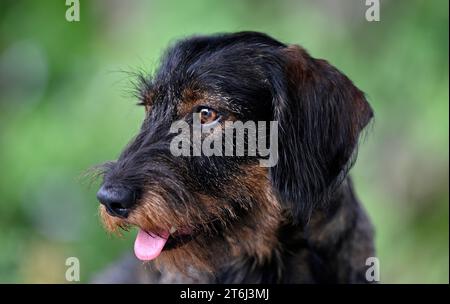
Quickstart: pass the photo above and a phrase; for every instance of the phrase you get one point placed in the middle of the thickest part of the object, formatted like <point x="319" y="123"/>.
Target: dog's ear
<point x="320" y="114"/>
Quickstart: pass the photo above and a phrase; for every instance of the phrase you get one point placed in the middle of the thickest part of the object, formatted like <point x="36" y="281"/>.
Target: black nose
<point x="117" y="200"/>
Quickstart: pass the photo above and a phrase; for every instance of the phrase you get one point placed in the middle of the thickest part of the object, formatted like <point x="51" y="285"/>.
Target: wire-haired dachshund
<point x="228" y="218"/>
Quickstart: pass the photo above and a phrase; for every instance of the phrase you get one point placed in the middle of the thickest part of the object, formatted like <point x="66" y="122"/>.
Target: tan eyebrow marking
<point x="189" y="99"/>
<point x="194" y="97"/>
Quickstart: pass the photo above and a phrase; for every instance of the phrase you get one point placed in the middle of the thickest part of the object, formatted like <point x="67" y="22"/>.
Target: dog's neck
<point x="295" y="246"/>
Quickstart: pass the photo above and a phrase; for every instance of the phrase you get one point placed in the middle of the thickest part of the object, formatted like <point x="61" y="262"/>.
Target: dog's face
<point x="200" y="210"/>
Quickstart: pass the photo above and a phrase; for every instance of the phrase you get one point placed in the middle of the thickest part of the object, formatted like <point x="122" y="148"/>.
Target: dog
<point x="227" y="219"/>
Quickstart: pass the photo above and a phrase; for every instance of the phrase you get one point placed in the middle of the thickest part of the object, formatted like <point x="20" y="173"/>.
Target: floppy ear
<point x="320" y="115"/>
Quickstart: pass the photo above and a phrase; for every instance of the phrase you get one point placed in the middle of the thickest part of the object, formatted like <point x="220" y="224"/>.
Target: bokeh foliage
<point x="65" y="105"/>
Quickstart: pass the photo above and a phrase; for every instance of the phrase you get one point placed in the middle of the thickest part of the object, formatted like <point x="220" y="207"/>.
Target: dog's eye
<point x="208" y="116"/>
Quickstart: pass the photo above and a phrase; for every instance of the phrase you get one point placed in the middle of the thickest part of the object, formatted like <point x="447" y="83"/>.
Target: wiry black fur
<point x="325" y="236"/>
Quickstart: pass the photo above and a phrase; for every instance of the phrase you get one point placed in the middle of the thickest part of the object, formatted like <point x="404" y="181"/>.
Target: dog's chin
<point x="192" y="254"/>
<point x="181" y="249"/>
<point x="181" y="252"/>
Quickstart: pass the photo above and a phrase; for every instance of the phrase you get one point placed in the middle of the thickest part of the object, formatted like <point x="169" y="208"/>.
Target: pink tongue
<point x="148" y="246"/>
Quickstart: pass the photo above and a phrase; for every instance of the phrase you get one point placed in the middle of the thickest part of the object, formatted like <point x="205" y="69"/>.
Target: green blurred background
<point x="65" y="106"/>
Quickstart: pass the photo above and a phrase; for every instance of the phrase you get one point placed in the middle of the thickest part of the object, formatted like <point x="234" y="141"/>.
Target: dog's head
<point x="199" y="209"/>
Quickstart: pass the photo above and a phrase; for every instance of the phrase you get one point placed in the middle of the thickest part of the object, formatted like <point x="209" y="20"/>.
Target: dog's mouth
<point x="149" y="245"/>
